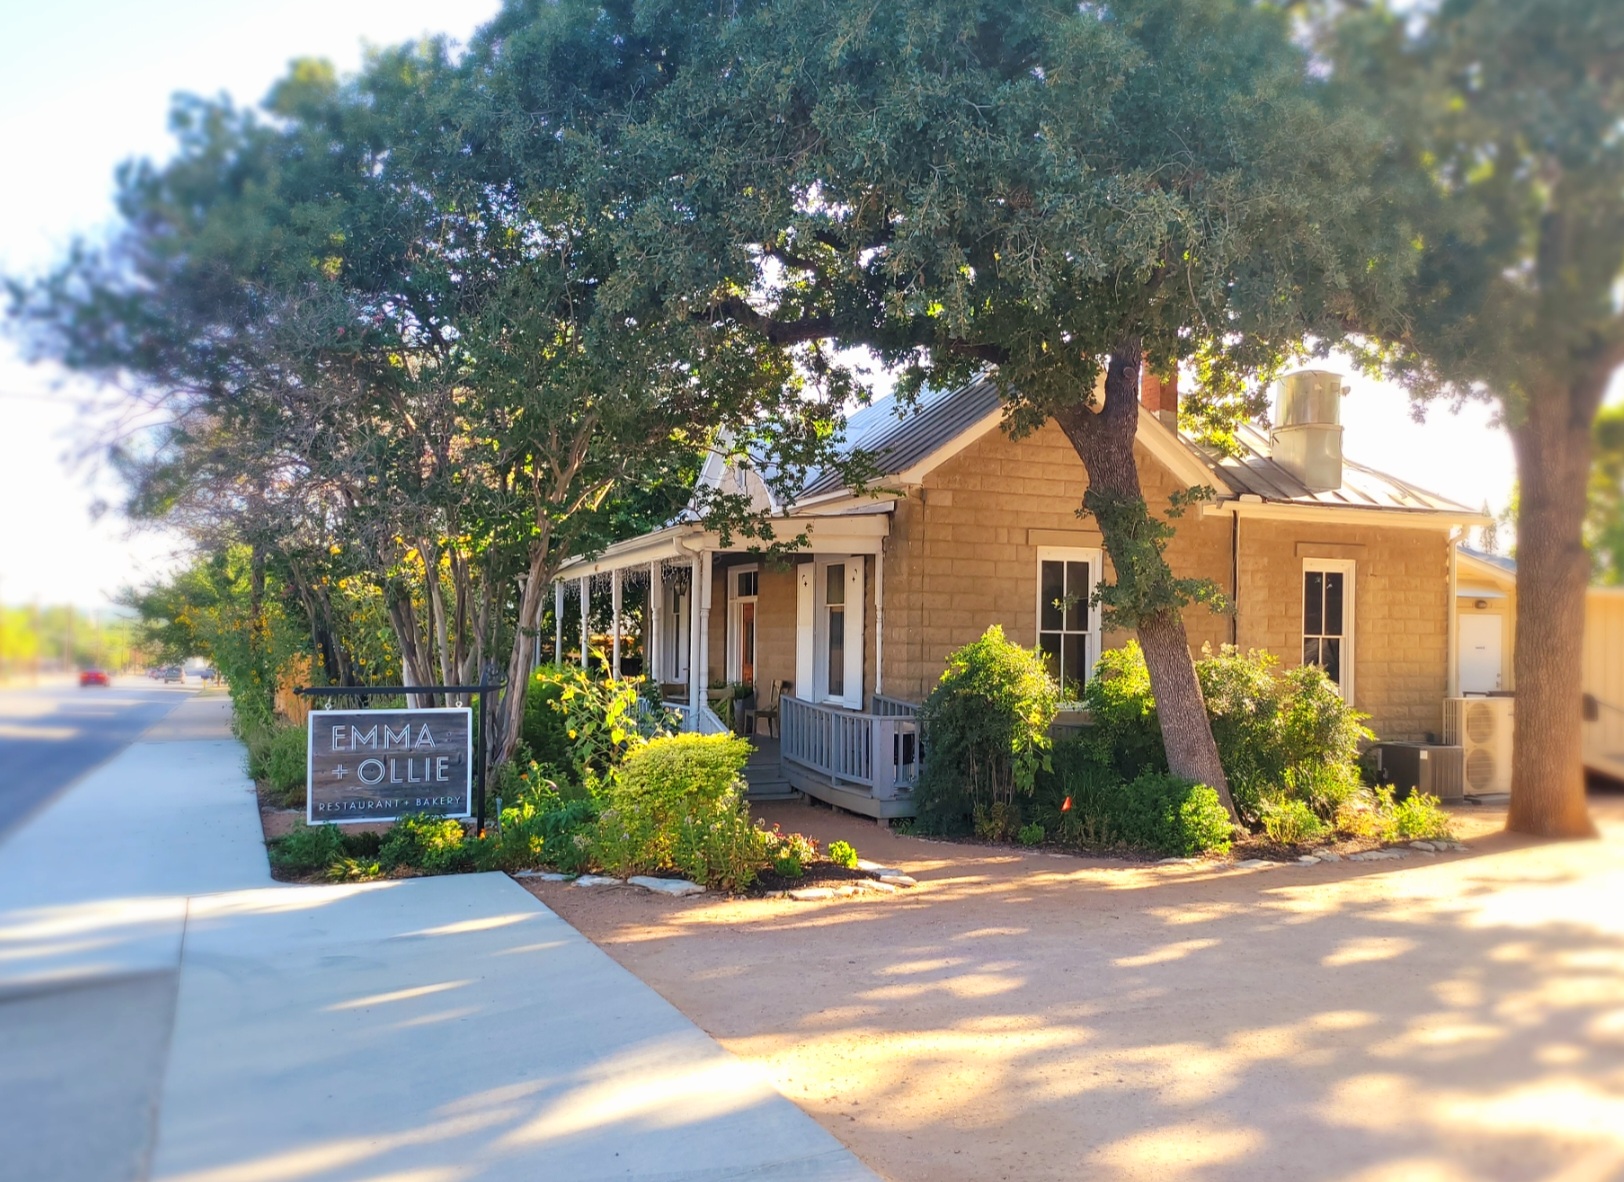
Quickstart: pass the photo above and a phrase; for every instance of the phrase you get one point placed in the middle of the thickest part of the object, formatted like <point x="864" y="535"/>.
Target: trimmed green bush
<point x="1171" y="815"/>
<point x="676" y="803"/>
<point x="1032" y="834"/>
<point x="987" y="726"/>
<point x="543" y="730"/>
<point x="842" y="853"/>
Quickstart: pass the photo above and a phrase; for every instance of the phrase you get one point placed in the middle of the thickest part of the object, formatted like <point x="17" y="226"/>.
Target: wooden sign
<point x="379" y="765"/>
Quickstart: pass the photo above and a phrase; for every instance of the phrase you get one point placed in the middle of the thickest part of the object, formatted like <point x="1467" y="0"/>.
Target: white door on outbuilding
<point x="1481" y="654"/>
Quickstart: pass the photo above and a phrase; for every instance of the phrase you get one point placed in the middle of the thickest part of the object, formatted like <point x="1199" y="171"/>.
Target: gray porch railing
<point x="707" y="723"/>
<point x="886" y="707"/>
<point x="873" y="751"/>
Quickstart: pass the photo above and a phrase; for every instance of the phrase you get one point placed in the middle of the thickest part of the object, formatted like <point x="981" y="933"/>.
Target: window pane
<point x="1311" y="650"/>
<point x="1049" y="645"/>
<point x="1333" y="604"/>
<point x="1052" y="580"/>
<point x="1072" y="671"/>
<point x="1077" y="596"/>
<point x="747" y="584"/>
<point x="837" y="651"/>
<point x="834" y="588"/>
<point x="1313" y="603"/>
<point x="747" y="643"/>
<point x="1331" y="658"/>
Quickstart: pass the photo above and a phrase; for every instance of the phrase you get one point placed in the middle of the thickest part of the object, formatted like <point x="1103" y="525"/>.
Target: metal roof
<point x="1255" y="471"/>
<point x="1509" y="565"/>
<point x="898" y="436"/>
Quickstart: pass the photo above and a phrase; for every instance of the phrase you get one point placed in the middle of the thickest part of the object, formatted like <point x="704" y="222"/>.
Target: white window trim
<point x="1348" y="568"/>
<point x="735" y="633"/>
<point x="1095" y="560"/>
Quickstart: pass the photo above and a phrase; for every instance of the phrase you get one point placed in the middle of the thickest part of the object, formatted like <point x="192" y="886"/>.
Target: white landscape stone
<point x="1256" y="864"/>
<point x="544" y="875"/>
<point x="1422" y="845"/>
<point x="812" y="894"/>
<point x="875" y="867"/>
<point x="679" y="887"/>
<point x="901" y="880"/>
<point x="883" y="887"/>
<point x="1328" y="855"/>
<point x="1309" y="859"/>
<point x="594" y="880"/>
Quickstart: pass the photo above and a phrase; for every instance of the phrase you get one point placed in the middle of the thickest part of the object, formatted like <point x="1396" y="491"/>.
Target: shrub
<point x="842" y="853"/>
<point x="307" y="849"/>
<point x="1359" y="817"/>
<point x="987" y="723"/>
<point x="676" y="803"/>
<point x="1418" y="817"/>
<point x="998" y="821"/>
<point x="287" y="764"/>
<point x="1276" y="732"/>
<point x="1074" y="803"/>
<point x="1169" y="814"/>
<point x="582" y="724"/>
<point x="422" y="841"/>
<point x="1125" y="733"/>
<point x="1292" y="822"/>
<point x="1032" y="834"/>
<point x="789" y="853"/>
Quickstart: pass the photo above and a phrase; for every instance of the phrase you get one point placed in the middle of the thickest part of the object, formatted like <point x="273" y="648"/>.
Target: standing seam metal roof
<point x="900" y="436"/>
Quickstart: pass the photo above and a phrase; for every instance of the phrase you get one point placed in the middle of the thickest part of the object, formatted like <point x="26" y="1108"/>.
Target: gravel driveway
<point x="1025" y="1015"/>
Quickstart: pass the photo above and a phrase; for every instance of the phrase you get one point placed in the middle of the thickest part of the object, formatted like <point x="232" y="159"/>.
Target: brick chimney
<point x="1159" y="396"/>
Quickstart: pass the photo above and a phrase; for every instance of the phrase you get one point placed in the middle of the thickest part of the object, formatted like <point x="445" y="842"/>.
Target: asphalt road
<point x="52" y="735"/>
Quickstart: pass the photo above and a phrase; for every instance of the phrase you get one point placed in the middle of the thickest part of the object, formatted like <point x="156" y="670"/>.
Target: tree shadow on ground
<point x="1023" y="1017"/>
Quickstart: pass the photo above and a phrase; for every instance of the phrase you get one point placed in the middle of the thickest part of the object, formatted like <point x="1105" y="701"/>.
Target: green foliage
<point x="1032" y="834"/>
<point x="1125" y="732"/>
<point x="1278" y="733"/>
<point x="282" y="758"/>
<point x="583" y="724"/>
<point x="547" y="826"/>
<point x="434" y="845"/>
<point x="1418" y="817"/>
<point x="1086" y="804"/>
<point x="842" y="853"/>
<point x="1145" y="585"/>
<point x="988" y="724"/>
<point x="1292" y="822"/>
<point x="676" y="803"/>
<point x="789" y="853"/>
<point x="1604" y="522"/>
<point x="307" y="849"/>
<point x="1171" y="815"/>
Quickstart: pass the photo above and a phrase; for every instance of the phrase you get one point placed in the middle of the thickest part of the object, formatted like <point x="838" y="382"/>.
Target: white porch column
<point x="704" y="596"/>
<point x="879" y="619"/>
<point x="558" y="623"/>
<point x="696" y="681"/>
<point x="586" y="590"/>
<point x="651" y="624"/>
<point x="614" y="628"/>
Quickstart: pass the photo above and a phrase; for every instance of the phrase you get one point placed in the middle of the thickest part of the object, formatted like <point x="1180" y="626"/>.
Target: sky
<point x="85" y="84"/>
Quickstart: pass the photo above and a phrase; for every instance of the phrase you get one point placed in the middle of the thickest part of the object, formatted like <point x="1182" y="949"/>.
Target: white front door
<point x="1480" y="653"/>
<point x="674" y="630"/>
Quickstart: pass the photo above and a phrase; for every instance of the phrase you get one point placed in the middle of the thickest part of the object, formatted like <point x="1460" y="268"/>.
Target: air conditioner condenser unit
<point x="1423" y="767"/>
<point x="1482" y="728"/>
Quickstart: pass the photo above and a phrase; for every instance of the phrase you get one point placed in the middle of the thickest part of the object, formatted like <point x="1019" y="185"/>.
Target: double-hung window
<point x="742" y="585"/>
<point x="1328" y="620"/>
<point x="1068" y="620"/>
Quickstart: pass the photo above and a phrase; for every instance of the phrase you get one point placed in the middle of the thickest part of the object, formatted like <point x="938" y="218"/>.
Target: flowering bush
<point x="789" y="853"/>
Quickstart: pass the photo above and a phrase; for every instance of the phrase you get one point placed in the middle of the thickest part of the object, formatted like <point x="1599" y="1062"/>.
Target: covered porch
<point x="787" y="653"/>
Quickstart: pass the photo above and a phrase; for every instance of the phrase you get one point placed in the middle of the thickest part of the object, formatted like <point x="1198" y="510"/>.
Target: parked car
<point x="93" y="677"/>
<point x="174" y="673"/>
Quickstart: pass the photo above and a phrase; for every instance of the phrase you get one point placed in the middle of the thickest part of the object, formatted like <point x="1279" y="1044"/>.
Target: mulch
<point x="817" y="874"/>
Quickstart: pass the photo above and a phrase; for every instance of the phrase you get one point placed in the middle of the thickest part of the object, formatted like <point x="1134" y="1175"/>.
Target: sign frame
<point x="469" y="774"/>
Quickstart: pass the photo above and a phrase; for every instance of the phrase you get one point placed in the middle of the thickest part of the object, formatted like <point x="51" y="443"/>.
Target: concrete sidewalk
<point x="168" y="1012"/>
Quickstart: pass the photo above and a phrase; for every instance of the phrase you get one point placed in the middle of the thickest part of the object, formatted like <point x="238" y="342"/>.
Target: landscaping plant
<point x="676" y="803"/>
<point x="1292" y="822"/>
<point x="987" y="723"/>
<point x="841" y="853"/>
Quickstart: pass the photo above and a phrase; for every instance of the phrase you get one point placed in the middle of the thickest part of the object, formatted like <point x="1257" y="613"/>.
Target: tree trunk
<point x="1104" y="442"/>
<point x="521" y="657"/>
<point x="1553" y="568"/>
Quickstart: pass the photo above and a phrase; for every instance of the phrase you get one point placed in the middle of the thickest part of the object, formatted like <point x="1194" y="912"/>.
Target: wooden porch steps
<point x="764" y="773"/>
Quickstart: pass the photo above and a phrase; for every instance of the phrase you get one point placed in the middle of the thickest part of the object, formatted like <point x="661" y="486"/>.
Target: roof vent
<point x="1307" y="435"/>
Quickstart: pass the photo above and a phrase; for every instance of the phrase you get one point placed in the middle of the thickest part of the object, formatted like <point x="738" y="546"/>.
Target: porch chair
<point x="770" y="710"/>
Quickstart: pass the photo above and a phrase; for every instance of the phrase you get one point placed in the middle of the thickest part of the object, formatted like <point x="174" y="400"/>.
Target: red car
<point x="93" y="677"/>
